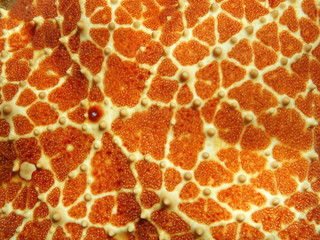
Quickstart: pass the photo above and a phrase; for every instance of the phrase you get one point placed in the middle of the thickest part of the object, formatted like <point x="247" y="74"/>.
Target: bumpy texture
<point x="160" y="119"/>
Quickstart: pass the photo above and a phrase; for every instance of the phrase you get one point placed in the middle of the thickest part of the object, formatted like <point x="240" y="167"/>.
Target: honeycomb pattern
<point x="160" y="119"/>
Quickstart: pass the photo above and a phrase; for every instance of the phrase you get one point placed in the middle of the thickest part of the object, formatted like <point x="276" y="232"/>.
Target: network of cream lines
<point x="160" y="119"/>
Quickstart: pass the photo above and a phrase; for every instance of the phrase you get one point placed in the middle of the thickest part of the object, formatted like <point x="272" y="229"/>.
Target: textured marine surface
<point x="160" y="119"/>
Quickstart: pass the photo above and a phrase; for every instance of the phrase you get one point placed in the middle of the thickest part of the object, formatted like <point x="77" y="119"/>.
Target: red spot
<point x="95" y="113"/>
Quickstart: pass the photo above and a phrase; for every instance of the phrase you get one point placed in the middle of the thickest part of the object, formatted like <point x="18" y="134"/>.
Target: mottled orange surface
<point x="159" y="119"/>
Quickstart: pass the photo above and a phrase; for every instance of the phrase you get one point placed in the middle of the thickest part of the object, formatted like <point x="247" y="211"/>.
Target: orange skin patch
<point x="209" y="109"/>
<point x="230" y="157"/>
<point x="8" y="154"/>
<point x="229" y="122"/>
<point x="284" y="83"/>
<point x="4" y="128"/>
<point x="185" y="95"/>
<point x="272" y="218"/>
<point x="48" y="116"/>
<point x="254" y="139"/>
<point x="110" y="168"/>
<point x="128" y="210"/>
<point x="148" y="199"/>
<point x="205" y="211"/>
<point x="121" y="91"/>
<point x="314" y="175"/>
<point x="127" y="41"/>
<point x="189" y="191"/>
<point x="286" y="175"/>
<point x="268" y="34"/>
<point x="247" y="230"/>
<point x="22" y="10"/>
<point x="309" y="31"/>
<point x="301" y="66"/>
<point x="78" y="211"/>
<point x="22" y="125"/>
<point x="298" y="230"/>
<point x="314" y="214"/>
<point x="91" y="5"/>
<point x="53" y="197"/>
<point x="41" y="211"/>
<point x="195" y="10"/>
<point x="171" y="179"/>
<point x="251" y="96"/>
<point x="148" y="131"/>
<point x="167" y="68"/>
<point x="96" y="233"/>
<point x="73" y="189"/>
<point x="90" y="56"/>
<point x="229" y="231"/>
<point x="9" y="90"/>
<point x="208" y="80"/>
<point x="122" y="16"/>
<point x="10" y="223"/>
<point x="242" y="52"/>
<point x="96" y="94"/>
<point x="284" y="153"/>
<point x="43" y="180"/>
<point x="241" y="197"/>
<point x="234" y="7"/>
<point x="71" y="12"/>
<point x="71" y="92"/>
<point x="211" y="173"/>
<point x="231" y="73"/>
<point x="100" y="211"/>
<point x="100" y="36"/>
<point x="77" y="115"/>
<point x="59" y="234"/>
<point x="291" y="131"/>
<point x="74" y="43"/>
<point x="263" y="56"/>
<point x="172" y="28"/>
<point x="188" y="138"/>
<point x="254" y="10"/>
<point x="133" y="7"/>
<point x="55" y="145"/>
<point x="102" y="16"/>
<point x="309" y="7"/>
<point x="75" y="230"/>
<point x="41" y="80"/>
<point x="145" y="230"/>
<point x="227" y="27"/>
<point x="151" y="55"/>
<point x="265" y="180"/>
<point x="150" y="175"/>
<point x="205" y="31"/>
<point x="315" y="72"/>
<point x="289" y="19"/>
<point x="190" y="53"/>
<point x="47" y="35"/>
<point x="289" y="44"/>
<point x="251" y="162"/>
<point x="20" y="201"/>
<point x="16" y="70"/>
<point x="302" y="201"/>
<point x="162" y="89"/>
<point x="35" y="229"/>
<point x="47" y="9"/>
<point x="170" y="222"/>
<point x="12" y="191"/>
<point x="28" y="150"/>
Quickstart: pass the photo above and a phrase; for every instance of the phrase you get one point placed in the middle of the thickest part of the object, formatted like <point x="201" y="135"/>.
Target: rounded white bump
<point x="187" y="176"/>
<point x="242" y="178"/>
